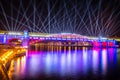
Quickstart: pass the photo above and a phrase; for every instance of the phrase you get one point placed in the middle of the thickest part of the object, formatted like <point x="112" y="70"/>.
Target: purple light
<point x="53" y="38"/>
<point x="59" y="38"/>
<point x="73" y="39"/>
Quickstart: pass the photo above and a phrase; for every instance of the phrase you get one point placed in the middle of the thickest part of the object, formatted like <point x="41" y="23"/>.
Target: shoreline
<point x="6" y="58"/>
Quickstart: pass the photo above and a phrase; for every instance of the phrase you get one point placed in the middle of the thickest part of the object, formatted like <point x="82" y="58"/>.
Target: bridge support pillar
<point x="114" y="42"/>
<point x="25" y="41"/>
<point x="108" y="43"/>
<point x="5" y="38"/>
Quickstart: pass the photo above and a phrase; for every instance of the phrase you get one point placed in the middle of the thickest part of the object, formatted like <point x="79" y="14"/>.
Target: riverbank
<point x="7" y="53"/>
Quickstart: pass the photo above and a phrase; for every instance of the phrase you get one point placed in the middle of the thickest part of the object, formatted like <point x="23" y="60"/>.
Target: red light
<point x="104" y="44"/>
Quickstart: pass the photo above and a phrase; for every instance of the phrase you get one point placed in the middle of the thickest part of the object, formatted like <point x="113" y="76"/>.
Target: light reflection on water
<point x="63" y="62"/>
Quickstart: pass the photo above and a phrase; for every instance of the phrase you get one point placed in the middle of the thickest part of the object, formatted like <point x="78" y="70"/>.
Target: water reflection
<point x="17" y="68"/>
<point x="63" y="61"/>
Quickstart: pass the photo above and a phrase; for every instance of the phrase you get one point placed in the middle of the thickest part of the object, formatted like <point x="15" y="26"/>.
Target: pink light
<point x="96" y="44"/>
<point x="104" y="60"/>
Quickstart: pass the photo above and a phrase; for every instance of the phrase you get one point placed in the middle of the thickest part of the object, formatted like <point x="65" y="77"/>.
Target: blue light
<point x="26" y="34"/>
<point x="77" y="39"/>
<point x="5" y="39"/>
<point x="68" y="39"/>
<point x="59" y="38"/>
<point x="63" y="38"/>
<point x="73" y="39"/>
<point x="100" y="38"/>
<point x="114" y="42"/>
<point x="53" y="38"/>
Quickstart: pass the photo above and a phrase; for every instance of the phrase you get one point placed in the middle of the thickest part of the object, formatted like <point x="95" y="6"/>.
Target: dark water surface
<point x="67" y="63"/>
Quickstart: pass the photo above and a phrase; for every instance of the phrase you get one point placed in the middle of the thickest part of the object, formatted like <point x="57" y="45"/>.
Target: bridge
<point x="60" y="39"/>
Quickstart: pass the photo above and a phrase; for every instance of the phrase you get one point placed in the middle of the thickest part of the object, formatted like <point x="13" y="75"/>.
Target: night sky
<point x="85" y="17"/>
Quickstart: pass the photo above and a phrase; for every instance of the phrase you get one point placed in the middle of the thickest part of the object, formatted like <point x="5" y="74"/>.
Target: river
<point x="66" y="63"/>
